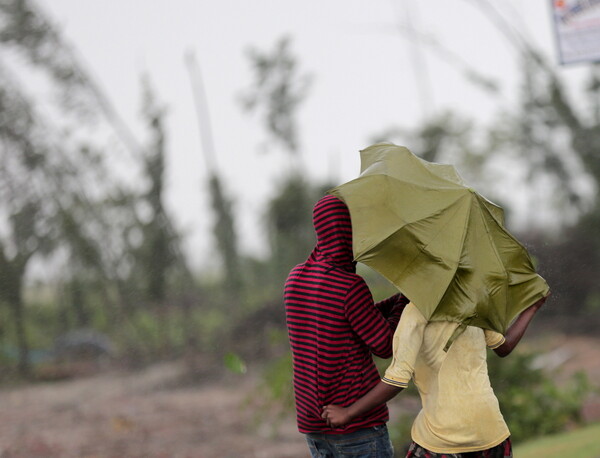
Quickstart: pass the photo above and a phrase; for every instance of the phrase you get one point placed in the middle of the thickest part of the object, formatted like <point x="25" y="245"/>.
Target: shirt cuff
<point x="395" y="382"/>
<point x="497" y="344"/>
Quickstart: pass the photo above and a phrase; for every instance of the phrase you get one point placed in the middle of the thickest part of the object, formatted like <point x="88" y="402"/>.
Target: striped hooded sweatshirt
<point x="334" y="326"/>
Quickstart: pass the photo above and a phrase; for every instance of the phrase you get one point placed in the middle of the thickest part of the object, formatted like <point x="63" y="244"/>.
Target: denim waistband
<point x="366" y="433"/>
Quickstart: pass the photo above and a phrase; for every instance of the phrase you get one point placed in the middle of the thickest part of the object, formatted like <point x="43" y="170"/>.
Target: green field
<point x="581" y="443"/>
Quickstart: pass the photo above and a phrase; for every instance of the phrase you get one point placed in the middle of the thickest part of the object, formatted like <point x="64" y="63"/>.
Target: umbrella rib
<point x="422" y="249"/>
<point x="462" y="241"/>
<point x="498" y="257"/>
<point x="406" y="223"/>
<point x="522" y="249"/>
<point x="460" y="183"/>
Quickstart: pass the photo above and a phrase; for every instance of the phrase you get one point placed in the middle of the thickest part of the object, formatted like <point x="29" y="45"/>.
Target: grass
<point x="581" y="443"/>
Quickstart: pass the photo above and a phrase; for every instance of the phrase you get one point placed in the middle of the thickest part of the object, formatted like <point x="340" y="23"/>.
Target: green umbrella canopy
<point x="441" y="243"/>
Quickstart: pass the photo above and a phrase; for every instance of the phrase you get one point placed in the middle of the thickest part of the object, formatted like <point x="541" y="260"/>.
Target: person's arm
<point x="367" y="321"/>
<point x="392" y="308"/>
<point x="517" y="329"/>
<point x="337" y="416"/>
<point x="407" y="343"/>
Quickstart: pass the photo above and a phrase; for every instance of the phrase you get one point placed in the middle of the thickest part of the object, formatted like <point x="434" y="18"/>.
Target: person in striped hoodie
<point x="334" y="329"/>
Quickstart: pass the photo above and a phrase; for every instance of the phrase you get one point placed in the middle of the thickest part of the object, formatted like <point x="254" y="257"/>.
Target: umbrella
<point x="438" y="241"/>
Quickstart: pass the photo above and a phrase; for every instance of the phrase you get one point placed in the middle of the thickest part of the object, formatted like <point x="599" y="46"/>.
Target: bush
<point x="532" y="403"/>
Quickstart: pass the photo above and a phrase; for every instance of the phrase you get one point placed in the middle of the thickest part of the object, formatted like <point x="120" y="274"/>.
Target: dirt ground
<point x="142" y="414"/>
<point x="150" y="414"/>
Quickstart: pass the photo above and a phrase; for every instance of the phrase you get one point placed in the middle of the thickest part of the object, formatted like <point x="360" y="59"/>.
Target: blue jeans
<point x="371" y="442"/>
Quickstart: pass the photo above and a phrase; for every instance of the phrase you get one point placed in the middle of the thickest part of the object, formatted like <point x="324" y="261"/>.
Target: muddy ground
<point x="155" y="413"/>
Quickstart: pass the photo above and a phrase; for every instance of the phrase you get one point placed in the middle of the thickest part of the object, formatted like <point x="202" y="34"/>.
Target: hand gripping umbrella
<point x="438" y="241"/>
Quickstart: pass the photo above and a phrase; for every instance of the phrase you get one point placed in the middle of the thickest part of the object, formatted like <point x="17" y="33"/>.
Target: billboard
<point x="577" y="27"/>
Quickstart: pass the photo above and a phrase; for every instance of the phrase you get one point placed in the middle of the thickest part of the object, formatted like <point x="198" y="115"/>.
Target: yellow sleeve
<point x="407" y="343"/>
<point x="493" y="339"/>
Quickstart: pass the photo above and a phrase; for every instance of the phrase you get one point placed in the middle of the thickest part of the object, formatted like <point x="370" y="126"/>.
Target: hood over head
<point x="333" y="227"/>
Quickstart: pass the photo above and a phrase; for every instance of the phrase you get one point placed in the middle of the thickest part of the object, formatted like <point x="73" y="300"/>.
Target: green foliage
<point x="42" y="325"/>
<point x="158" y="253"/>
<point x="210" y="323"/>
<point x="52" y="187"/>
<point x="399" y="430"/>
<point x="225" y="235"/>
<point x="531" y="401"/>
<point x="278" y="381"/>
<point x="379" y="286"/>
<point x="278" y="91"/>
<point x="580" y="443"/>
<point x="235" y="363"/>
<point x="289" y="219"/>
<point x="265" y="287"/>
<point x="63" y="196"/>
<point x="592" y="302"/>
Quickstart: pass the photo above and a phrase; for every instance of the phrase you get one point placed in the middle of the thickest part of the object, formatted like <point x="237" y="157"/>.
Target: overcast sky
<point x="356" y="50"/>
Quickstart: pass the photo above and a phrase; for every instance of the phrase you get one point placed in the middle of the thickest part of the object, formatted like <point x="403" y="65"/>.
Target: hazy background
<point x="373" y="65"/>
<point x="159" y="162"/>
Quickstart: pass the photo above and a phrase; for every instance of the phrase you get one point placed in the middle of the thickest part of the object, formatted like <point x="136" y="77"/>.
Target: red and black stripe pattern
<point x="334" y="326"/>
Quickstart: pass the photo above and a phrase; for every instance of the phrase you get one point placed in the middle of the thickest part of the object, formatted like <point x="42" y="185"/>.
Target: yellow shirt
<point x="460" y="412"/>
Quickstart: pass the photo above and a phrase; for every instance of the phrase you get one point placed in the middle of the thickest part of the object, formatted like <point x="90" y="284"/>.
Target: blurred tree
<point x="289" y="220"/>
<point x="548" y="136"/>
<point x="60" y="201"/>
<point x="43" y="190"/>
<point x="225" y="234"/>
<point x="559" y="141"/>
<point x="450" y="137"/>
<point x="27" y="31"/>
<point x="46" y="178"/>
<point x="86" y="264"/>
<point x="531" y="401"/>
<point x="555" y="141"/>
<point x="156" y="254"/>
<point x="277" y="92"/>
<point x="222" y="206"/>
<point x="440" y="136"/>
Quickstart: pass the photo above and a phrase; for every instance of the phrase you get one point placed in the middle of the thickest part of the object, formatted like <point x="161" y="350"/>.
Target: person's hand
<point x="336" y="416"/>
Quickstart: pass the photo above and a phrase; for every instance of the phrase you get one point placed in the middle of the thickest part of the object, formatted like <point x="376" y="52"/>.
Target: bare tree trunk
<point x="11" y="281"/>
<point x="14" y="296"/>
<point x="24" y="365"/>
